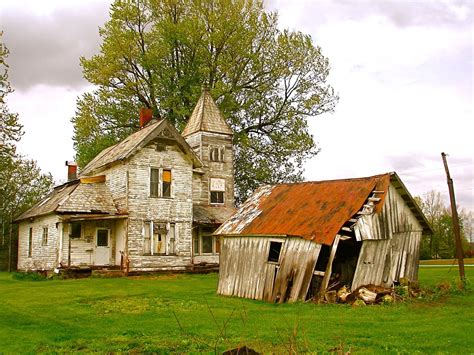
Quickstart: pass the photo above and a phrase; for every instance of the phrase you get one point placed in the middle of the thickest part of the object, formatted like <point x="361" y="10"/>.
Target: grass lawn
<point x="142" y="314"/>
<point x="467" y="261"/>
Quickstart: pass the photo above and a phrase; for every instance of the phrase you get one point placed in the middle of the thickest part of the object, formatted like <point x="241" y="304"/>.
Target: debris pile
<point x="372" y="294"/>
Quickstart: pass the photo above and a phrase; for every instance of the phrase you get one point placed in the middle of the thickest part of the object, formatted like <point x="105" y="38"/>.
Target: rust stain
<point x="312" y="210"/>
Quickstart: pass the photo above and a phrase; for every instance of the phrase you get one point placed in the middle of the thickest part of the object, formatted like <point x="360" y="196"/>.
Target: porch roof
<point x="84" y="196"/>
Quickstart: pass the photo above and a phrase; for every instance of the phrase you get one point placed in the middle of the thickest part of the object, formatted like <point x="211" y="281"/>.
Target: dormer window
<point x="216" y="153"/>
<point x="217" y="191"/>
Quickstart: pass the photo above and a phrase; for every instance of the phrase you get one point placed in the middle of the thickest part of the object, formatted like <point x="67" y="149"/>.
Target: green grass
<point x="447" y="262"/>
<point x="142" y="314"/>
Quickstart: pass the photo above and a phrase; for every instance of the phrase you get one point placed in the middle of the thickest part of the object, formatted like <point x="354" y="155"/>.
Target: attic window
<point x="274" y="253"/>
<point x="216" y="153"/>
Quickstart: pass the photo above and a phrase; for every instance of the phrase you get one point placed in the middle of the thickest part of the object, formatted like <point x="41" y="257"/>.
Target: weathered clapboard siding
<point x="390" y="244"/>
<point x="201" y="143"/>
<point x="143" y="208"/>
<point x="43" y="257"/>
<point x="245" y="271"/>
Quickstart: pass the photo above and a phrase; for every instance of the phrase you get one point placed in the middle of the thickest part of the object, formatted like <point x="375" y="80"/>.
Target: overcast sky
<point x="404" y="72"/>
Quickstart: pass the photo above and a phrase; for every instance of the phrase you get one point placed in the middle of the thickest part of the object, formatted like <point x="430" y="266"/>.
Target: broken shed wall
<point x="390" y="244"/>
<point x="246" y="272"/>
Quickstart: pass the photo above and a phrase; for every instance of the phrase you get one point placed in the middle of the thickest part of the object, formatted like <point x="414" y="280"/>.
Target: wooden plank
<point x="314" y="254"/>
<point x="327" y="276"/>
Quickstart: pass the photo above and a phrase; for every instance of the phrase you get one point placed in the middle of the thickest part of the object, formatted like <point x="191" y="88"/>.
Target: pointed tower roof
<point x="206" y="117"/>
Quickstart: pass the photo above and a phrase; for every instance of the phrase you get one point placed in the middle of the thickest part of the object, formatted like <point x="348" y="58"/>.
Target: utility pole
<point x="454" y="211"/>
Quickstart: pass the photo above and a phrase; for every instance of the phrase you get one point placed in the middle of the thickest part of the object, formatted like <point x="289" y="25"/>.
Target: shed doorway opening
<point x="341" y="271"/>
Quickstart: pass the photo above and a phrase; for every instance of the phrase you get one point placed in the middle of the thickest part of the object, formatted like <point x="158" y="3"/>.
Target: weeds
<point x="28" y="276"/>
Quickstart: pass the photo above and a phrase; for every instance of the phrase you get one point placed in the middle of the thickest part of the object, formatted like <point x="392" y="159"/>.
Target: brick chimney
<point x="71" y="170"/>
<point x="146" y="114"/>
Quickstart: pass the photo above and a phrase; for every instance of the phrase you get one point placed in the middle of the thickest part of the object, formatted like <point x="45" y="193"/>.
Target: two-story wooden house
<point x="153" y="200"/>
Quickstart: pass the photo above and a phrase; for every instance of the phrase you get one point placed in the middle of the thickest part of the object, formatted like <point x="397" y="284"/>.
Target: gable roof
<point x="206" y="117"/>
<point x="133" y="143"/>
<point x="312" y="210"/>
<point x="78" y="196"/>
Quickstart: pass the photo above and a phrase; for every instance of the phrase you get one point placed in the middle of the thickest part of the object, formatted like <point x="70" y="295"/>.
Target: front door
<point x="102" y="247"/>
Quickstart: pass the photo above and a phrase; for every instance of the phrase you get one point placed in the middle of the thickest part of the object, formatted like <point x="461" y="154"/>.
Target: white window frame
<point x="217" y="190"/>
<point x="44" y="241"/>
<point x="170" y="238"/>
<point x="109" y="241"/>
<point x="198" y="237"/>
<point x="160" y="182"/>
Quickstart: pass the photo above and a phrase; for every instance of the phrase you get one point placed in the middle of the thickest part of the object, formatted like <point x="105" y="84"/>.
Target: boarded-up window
<point x="166" y="183"/>
<point x="76" y="229"/>
<point x="154" y="182"/>
<point x="146" y="239"/>
<point x="217" y="191"/>
<point x="30" y="242"/>
<point x="274" y="253"/>
<point x="44" y="240"/>
<point x="159" y="238"/>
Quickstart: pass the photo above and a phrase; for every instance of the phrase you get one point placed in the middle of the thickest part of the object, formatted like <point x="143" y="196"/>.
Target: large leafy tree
<point x="21" y="182"/>
<point x="159" y="53"/>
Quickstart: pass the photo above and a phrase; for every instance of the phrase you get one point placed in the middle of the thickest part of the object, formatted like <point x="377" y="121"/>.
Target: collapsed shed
<point x="292" y="242"/>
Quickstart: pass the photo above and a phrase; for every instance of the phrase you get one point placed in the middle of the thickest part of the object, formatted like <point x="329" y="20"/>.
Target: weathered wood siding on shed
<point x="245" y="271"/>
<point x="390" y="244"/>
<point x="43" y="257"/>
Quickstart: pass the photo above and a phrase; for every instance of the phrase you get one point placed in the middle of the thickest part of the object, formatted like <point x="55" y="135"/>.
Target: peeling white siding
<point x="43" y="257"/>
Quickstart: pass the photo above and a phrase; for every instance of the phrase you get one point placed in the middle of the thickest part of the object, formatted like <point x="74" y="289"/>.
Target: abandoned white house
<point x="292" y="242"/>
<point x="152" y="200"/>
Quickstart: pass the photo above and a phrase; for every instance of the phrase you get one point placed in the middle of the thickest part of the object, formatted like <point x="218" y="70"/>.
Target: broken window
<point x="160" y="182"/>
<point x="45" y="236"/>
<point x="159" y="238"/>
<point x="274" y="252"/>
<point x="154" y="182"/>
<point x="30" y="242"/>
<point x="166" y="183"/>
<point x="217" y="190"/>
<point x="75" y="232"/>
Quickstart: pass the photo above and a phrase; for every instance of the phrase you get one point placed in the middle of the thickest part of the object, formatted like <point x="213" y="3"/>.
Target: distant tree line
<point x="21" y="182"/>
<point x="441" y="244"/>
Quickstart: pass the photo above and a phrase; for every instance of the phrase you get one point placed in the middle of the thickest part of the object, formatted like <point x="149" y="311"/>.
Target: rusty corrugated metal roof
<point x="312" y="210"/>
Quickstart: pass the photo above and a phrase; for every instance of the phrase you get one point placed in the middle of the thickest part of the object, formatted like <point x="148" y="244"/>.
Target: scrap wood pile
<point x="371" y="294"/>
